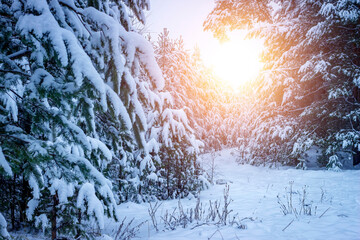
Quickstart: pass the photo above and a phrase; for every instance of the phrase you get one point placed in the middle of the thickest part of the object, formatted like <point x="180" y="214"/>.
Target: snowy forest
<point x="109" y="133"/>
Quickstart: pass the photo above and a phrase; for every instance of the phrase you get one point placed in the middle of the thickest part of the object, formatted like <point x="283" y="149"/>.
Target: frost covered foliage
<point x="194" y="89"/>
<point x="309" y="89"/>
<point x="172" y="125"/>
<point x="72" y="123"/>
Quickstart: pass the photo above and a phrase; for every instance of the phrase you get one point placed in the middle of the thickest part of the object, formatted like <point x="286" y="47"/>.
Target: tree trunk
<point x="23" y="199"/>
<point x="356" y="157"/>
<point x="167" y="169"/>
<point x="13" y="196"/>
<point x="53" y="217"/>
<point x="78" y="231"/>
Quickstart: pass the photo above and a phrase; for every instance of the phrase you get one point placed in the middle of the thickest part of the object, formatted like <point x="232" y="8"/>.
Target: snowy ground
<point x="254" y="190"/>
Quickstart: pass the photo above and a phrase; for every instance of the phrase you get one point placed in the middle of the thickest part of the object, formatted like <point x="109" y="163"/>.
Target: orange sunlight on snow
<point x="237" y="61"/>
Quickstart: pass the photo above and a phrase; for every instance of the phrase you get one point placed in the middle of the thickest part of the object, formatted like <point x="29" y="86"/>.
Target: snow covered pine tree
<point x="73" y="120"/>
<point x="194" y="89"/>
<point x="179" y="170"/>
<point x="311" y="81"/>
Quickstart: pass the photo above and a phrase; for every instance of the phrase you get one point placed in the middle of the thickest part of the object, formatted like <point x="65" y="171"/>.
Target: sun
<point x="237" y="61"/>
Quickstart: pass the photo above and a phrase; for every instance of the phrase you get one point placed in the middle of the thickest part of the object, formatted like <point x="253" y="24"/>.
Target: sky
<point x="182" y="17"/>
<point x="236" y="61"/>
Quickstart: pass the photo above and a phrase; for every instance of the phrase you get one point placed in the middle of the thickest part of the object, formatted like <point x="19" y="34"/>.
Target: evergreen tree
<point x="178" y="169"/>
<point x="194" y="88"/>
<point x="310" y="83"/>
<point x="71" y="116"/>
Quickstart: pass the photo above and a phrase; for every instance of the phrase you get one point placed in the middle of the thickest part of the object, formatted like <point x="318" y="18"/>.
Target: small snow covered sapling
<point x="211" y="171"/>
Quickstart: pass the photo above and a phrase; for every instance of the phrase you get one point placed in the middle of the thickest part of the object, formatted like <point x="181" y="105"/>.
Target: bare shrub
<point x="301" y="207"/>
<point x="126" y="231"/>
<point x="152" y="212"/>
<point x="216" y="213"/>
<point x="226" y="211"/>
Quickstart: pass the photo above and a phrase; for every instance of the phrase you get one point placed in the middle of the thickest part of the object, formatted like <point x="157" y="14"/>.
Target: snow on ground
<point x="254" y="190"/>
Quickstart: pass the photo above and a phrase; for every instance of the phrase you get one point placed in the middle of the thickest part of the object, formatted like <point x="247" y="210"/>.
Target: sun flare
<point x="237" y="61"/>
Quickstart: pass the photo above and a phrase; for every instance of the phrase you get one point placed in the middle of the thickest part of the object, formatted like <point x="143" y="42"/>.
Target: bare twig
<point x="152" y="212"/>
<point x="227" y="201"/>
<point x="288" y="225"/>
<point x="324" y="212"/>
<point x="199" y="225"/>
<point x="19" y="54"/>
<point x="15" y="72"/>
<point x="126" y="231"/>
<point x="197" y="210"/>
<point x="215" y="233"/>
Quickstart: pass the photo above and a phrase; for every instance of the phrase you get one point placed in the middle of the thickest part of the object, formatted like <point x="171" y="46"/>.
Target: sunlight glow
<point x="237" y="61"/>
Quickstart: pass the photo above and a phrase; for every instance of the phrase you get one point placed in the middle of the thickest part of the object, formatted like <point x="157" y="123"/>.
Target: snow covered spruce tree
<point x="177" y="167"/>
<point x="194" y="88"/>
<point x="70" y="112"/>
<point x="310" y="85"/>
